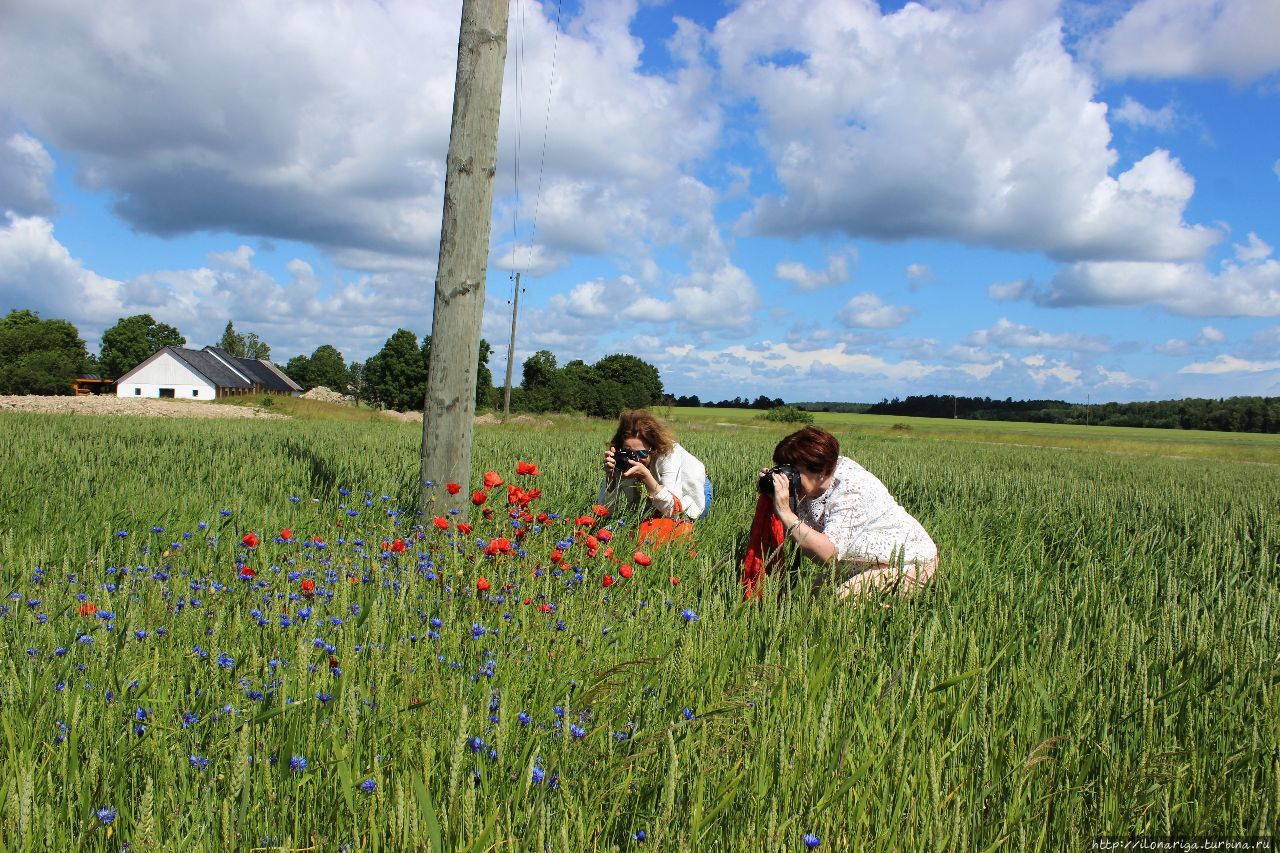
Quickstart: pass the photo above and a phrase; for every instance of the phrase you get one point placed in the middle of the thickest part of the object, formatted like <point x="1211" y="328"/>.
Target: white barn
<point x="186" y="374"/>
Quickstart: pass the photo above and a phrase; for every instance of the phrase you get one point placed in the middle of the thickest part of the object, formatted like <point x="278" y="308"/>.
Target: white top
<point x="864" y="522"/>
<point x="682" y="476"/>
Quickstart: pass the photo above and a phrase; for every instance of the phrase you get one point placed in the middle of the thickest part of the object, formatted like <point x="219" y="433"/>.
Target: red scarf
<point x="764" y="548"/>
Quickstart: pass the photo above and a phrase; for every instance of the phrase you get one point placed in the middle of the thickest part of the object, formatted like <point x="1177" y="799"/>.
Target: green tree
<point x="396" y="376"/>
<point x="132" y="340"/>
<point x="327" y="368"/>
<point x="231" y="341"/>
<point x="538" y="376"/>
<point x="484" y="377"/>
<point x="640" y="382"/>
<point x="256" y="347"/>
<point x="355" y="380"/>
<point x="298" y="369"/>
<point x="39" y="356"/>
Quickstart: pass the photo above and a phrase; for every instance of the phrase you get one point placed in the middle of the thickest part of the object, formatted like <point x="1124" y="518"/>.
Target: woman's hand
<point x="608" y="462"/>
<point x="781" y="496"/>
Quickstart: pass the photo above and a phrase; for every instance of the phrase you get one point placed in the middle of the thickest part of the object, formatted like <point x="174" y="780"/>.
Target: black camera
<point x="624" y="456"/>
<point x="765" y="483"/>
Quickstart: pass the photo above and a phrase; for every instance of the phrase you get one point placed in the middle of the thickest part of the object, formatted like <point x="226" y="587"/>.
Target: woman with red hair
<point x="838" y="514"/>
<point x="644" y="454"/>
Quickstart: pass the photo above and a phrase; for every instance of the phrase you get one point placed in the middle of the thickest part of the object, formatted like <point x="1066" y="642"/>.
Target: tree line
<point x="1229" y="414"/>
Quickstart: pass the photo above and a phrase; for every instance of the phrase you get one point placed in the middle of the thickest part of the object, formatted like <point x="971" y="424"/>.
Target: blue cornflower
<point x="297" y="764"/>
<point x="140" y="634"/>
<point x="140" y="714"/>
<point x="199" y="762"/>
<point x="524" y="718"/>
<point x="85" y="640"/>
<point x="577" y="731"/>
<point x="226" y="661"/>
<point x="810" y="840"/>
<point x="122" y="533"/>
<point x="189" y="719"/>
<point x="688" y="713"/>
<point x="638" y="836"/>
<point x="538" y="774"/>
<point x="369" y="786"/>
<point x="106" y="814"/>
<point x="688" y="615"/>
<point x="324" y="697"/>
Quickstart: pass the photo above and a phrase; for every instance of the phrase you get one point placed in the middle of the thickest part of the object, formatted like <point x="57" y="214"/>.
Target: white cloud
<point x="1006" y="333"/>
<point x="1229" y="364"/>
<point x="1254" y="250"/>
<point x="25" y="171"/>
<point x="970" y="123"/>
<point x="1239" y="289"/>
<point x="867" y="311"/>
<point x="782" y="358"/>
<point x="1174" y="347"/>
<point x="1060" y="372"/>
<point x="294" y="315"/>
<point x="1210" y="335"/>
<point x="807" y="280"/>
<point x="1135" y="114"/>
<point x="918" y="275"/>
<point x="1193" y="38"/>
<point x="1007" y="291"/>
<point x="329" y="124"/>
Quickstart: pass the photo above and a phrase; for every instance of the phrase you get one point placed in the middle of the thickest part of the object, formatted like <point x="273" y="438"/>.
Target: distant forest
<point x="1232" y="414"/>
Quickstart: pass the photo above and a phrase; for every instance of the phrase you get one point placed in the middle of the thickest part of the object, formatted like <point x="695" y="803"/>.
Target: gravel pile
<point x="136" y="406"/>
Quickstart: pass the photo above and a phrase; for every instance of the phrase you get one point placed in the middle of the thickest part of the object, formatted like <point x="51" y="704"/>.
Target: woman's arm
<point x="813" y="543"/>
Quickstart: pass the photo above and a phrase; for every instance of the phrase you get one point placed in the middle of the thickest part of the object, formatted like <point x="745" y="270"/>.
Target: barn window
<point x="137" y="392"/>
<point x="166" y="393"/>
<point x="195" y="392"/>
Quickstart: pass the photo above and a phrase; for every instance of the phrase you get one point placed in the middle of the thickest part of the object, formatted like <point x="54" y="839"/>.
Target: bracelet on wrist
<point x="791" y="527"/>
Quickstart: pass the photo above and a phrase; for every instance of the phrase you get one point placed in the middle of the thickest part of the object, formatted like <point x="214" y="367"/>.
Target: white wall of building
<point x="167" y="372"/>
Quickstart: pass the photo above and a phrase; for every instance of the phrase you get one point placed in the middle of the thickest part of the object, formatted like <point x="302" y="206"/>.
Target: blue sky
<point x="809" y="199"/>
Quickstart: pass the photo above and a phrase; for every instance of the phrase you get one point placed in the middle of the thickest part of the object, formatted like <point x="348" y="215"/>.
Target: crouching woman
<point x="841" y="516"/>
<point x="645" y="465"/>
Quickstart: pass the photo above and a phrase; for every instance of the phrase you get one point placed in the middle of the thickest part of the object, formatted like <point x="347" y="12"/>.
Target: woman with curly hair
<point x="645" y="464"/>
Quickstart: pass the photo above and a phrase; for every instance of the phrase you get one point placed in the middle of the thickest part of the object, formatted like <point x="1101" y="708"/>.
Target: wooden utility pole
<point x="511" y="350"/>
<point x="450" y="406"/>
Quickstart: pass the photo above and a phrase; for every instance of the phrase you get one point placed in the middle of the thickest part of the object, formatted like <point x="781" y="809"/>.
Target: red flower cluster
<point x="308" y="587"/>
<point x="491" y="479"/>
<point x="479" y="498"/>
<point x="482" y="585"/>
<point x="498" y="545"/>
<point x="88" y="608"/>
<point x="246" y="572"/>
<point x="526" y="469"/>
<point x="250" y="540"/>
<point x="453" y="488"/>
<point x="286" y="534"/>
<point x="440" y="522"/>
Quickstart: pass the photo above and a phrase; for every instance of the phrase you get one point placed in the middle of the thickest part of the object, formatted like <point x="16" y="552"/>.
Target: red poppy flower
<point x="250" y="540"/>
<point x="542" y="518"/>
<point x="557" y="556"/>
<point x="526" y="469"/>
<point x="286" y="534"/>
<point x="353" y="579"/>
<point x="397" y="547"/>
<point x="607" y="580"/>
<point x="486" y="512"/>
<point x="604" y="535"/>
<point x="88" y="608"/>
<point x="641" y="558"/>
<point x="491" y="479"/>
<point x="482" y="585"/>
<point x="308" y="587"/>
<point x="478" y="498"/>
<point x="600" y="510"/>
<point x="625" y="571"/>
<point x="464" y="529"/>
<point x="675" y="581"/>
<point x="246" y="572"/>
<point x="440" y="523"/>
<point x="592" y="542"/>
<point x="317" y="540"/>
<point x="333" y="662"/>
<point x="453" y="488"/>
<point x="544" y="608"/>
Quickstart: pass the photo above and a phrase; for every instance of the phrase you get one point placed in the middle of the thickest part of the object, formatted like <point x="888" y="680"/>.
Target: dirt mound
<point x="325" y="395"/>
<point x="403" y="417"/>
<point x="530" y="420"/>
<point x="488" y="419"/>
<point x="137" y="406"/>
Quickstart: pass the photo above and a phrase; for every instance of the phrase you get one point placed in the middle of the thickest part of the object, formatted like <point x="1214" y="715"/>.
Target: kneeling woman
<point x="644" y="452"/>
<point x="843" y="517"/>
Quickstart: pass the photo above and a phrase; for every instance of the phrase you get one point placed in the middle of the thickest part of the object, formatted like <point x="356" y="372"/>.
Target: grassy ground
<point x="1096" y="657"/>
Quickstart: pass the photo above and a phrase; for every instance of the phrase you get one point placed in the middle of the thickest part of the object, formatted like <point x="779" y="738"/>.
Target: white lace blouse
<point x="684" y="486"/>
<point x="863" y="520"/>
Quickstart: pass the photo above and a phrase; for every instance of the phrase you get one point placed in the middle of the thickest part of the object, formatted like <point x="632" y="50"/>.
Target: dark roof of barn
<point x="208" y="366"/>
<point x="258" y="372"/>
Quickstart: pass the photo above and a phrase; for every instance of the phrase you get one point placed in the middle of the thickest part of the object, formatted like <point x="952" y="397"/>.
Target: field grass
<point x="1096" y="658"/>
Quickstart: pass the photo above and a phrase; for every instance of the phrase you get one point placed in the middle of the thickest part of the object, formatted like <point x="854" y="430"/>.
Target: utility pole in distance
<point x="511" y="351"/>
<point x="449" y="409"/>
